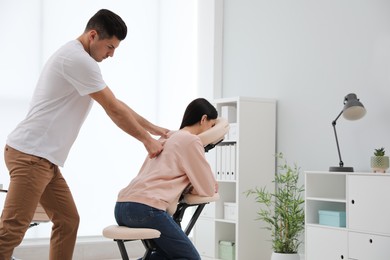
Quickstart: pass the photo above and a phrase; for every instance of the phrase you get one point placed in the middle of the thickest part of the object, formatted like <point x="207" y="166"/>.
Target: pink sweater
<point x="162" y="180"/>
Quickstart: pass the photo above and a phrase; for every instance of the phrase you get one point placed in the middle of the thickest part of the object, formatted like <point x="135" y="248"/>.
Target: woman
<point x="181" y="167"/>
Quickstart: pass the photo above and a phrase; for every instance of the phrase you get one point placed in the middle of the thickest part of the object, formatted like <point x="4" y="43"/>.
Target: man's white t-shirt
<point x="59" y="105"/>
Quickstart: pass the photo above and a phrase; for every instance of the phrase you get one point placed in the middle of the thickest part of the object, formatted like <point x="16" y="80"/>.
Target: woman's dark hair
<point x="195" y="110"/>
<point x="107" y="24"/>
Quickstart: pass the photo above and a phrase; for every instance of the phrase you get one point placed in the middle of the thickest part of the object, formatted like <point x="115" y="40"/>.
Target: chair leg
<point x="149" y="248"/>
<point x="194" y="218"/>
<point x="148" y="244"/>
<point x="122" y="249"/>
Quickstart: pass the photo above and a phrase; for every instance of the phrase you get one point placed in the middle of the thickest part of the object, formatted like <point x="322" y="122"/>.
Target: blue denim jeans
<point x="173" y="242"/>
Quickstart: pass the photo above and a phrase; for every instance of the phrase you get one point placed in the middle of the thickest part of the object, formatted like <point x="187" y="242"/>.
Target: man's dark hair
<point x="107" y="24"/>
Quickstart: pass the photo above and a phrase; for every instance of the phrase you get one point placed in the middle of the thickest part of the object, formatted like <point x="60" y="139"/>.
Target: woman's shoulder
<point x="183" y="137"/>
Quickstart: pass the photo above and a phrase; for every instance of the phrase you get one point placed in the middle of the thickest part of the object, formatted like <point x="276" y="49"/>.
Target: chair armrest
<point x="192" y="199"/>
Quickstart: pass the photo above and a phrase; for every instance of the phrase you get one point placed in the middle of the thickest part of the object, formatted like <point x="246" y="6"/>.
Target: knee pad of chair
<point x="127" y="233"/>
<point x="192" y="199"/>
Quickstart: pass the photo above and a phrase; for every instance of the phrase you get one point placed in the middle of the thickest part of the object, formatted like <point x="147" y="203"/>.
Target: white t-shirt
<point x="59" y="105"/>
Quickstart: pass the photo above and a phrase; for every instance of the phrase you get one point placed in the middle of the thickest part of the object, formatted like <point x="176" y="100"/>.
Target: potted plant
<point x="379" y="162"/>
<point x="282" y="211"/>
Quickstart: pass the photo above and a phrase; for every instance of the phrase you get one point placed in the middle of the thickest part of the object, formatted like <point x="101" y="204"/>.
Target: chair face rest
<point x="216" y="133"/>
<point x="126" y="233"/>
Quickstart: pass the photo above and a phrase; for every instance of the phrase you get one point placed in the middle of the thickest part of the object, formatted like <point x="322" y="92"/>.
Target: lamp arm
<point x="337" y="140"/>
<point x="334" y="121"/>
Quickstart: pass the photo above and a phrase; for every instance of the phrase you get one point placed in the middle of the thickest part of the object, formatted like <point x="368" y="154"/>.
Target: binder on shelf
<point x="218" y="161"/>
<point x="228" y="158"/>
<point x="233" y="132"/>
<point x="223" y="162"/>
<point x="232" y="161"/>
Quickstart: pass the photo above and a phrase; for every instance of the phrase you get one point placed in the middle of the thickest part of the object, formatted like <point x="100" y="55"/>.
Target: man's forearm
<point x="129" y="122"/>
<point x="140" y="120"/>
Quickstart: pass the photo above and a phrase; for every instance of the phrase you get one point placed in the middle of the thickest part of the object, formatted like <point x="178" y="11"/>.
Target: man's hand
<point x="154" y="147"/>
<point x="159" y="131"/>
<point x="130" y="122"/>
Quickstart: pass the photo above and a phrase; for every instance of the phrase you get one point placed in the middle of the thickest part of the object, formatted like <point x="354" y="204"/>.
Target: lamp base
<point x="340" y="169"/>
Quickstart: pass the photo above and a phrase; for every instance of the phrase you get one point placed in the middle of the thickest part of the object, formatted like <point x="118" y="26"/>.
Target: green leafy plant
<point x="282" y="210"/>
<point x="379" y="152"/>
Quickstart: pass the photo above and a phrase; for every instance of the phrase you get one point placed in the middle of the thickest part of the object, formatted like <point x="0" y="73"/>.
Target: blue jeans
<point x="173" y="242"/>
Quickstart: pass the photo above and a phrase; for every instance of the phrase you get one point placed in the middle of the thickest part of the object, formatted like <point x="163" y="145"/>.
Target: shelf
<point x="366" y="234"/>
<point x="243" y="160"/>
<point x="227" y="181"/>
<point x="313" y="206"/>
<point x="322" y="185"/>
<point x="327" y="227"/>
<point x="326" y="199"/>
<point x="225" y="220"/>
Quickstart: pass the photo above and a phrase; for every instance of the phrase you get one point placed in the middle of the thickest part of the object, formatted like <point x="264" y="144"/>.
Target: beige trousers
<point x="32" y="180"/>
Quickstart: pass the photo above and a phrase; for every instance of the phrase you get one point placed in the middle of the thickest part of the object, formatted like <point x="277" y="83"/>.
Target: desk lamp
<point x="353" y="110"/>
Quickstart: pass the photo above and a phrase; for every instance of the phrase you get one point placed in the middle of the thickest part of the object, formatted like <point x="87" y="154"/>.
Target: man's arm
<point x="151" y="128"/>
<point x="129" y="121"/>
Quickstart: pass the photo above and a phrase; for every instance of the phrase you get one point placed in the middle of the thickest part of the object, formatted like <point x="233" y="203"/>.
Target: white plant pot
<point x="379" y="163"/>
<point x="278" y="256"/>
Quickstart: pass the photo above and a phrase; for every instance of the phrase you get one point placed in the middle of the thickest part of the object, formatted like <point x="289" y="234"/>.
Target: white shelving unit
<point x="363" y="197"/>
<point x="244" y="160"/>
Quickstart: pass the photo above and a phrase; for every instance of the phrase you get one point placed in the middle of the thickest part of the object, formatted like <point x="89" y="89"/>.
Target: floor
<point x="87" y="248"/>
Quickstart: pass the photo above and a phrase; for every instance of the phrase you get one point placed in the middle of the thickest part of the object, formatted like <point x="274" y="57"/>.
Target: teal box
<point x="227" y="250"/>
<point x="332" y="218"/>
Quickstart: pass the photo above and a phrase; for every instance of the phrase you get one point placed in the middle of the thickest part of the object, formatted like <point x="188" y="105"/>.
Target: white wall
<point x="177" y="63"/>
<point x="20" y="26"/>
<point x="309" y="55"/>
<point x="153" y="71"/>
<point x="19" y="65"/>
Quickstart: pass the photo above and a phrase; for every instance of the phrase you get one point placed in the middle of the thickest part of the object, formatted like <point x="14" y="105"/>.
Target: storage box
<point x="227" y="250"/>
<point x="233" y="132"/>
<point x="230" y="210"/>
<point x="229" y="113"/>
<point x="332" y="218"/>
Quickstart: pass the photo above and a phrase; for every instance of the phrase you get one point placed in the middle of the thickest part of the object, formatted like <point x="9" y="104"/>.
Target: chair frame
<point x="177" y="217"/>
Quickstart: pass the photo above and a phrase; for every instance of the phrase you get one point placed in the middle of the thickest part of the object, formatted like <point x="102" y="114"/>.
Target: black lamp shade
<point x="353" y="108"/>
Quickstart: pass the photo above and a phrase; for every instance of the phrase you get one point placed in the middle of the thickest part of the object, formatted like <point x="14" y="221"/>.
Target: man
<point x="69" y="82"/>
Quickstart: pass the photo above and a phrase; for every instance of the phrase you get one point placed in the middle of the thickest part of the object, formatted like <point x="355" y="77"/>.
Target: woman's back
<point x="161" y="180"/>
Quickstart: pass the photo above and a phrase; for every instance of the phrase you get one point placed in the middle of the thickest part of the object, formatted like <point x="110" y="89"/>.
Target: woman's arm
<point x="198" y="170"/>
